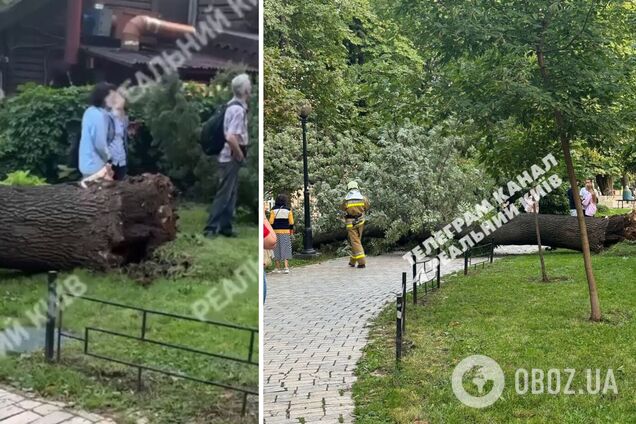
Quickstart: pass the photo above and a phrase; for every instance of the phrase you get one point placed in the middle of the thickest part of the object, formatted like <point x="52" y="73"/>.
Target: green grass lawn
<point x="614" y="211"/>
<point x="504" y="312"/>
<point x="110" y="388"/>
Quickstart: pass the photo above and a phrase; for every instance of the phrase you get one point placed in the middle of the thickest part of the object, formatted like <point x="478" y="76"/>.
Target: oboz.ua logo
<point x="478" y="381"/>
<point x="486" y="379"/>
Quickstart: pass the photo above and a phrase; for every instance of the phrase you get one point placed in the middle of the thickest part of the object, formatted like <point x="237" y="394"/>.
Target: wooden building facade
<point x="34" y="41"/>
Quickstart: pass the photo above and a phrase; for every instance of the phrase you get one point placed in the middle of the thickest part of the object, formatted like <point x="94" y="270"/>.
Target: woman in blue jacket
<point x="94" y="153"/>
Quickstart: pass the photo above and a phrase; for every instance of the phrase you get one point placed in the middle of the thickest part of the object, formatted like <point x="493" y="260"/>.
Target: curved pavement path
<point x="316" y="325"/>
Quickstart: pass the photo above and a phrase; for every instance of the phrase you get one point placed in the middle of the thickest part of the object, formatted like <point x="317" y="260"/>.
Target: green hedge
<point x="36" y="127"/>
<point x="40" y="124"/>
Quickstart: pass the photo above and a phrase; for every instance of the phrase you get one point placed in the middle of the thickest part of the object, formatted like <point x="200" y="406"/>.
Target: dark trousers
<point x="120" y="172"/>
<point x="222" y="213"/>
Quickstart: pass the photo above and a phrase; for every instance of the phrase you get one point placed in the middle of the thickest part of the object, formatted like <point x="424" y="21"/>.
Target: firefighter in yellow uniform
<point x="355" y="205"/>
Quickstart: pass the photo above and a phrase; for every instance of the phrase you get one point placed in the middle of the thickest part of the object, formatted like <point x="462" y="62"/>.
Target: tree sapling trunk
<point x="544" y="274"/>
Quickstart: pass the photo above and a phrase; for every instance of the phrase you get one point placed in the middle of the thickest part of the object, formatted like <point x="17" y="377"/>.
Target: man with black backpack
<point x="226" y="135"/>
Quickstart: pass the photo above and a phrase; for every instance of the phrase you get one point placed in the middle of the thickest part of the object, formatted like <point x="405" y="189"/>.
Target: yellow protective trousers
<point x="354" y="232"/>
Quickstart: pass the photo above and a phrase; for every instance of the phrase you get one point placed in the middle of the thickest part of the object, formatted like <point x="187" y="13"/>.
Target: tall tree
<point x="356" y="69"/>
<point x="561" y="71"/>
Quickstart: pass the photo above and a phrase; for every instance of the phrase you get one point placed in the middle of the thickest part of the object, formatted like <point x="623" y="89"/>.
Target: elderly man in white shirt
<point x="230" y="160"/>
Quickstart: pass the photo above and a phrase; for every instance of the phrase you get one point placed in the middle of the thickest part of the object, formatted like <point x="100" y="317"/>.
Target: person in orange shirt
<point x="282" y="219"/>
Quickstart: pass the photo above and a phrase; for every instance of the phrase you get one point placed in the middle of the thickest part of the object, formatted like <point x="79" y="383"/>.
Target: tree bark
<point x="563" y="231"/>
<point x="595" y="313"/>
<point x="605" y="184"/>
<point x="544" y="274"/>
<point x="107" y="225"/>
<point x="564" y="139"/>
<point x="560" y="231"/>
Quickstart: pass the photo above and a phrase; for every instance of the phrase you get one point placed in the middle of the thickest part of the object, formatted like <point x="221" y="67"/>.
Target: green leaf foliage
<point x="40" y="125"/>
<point x="22" y="178"/>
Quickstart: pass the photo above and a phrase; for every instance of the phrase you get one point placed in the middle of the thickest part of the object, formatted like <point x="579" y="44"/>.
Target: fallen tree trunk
<point x="560" y="231"/>
<point x="370" y="231"/>
<point x="563" y="231"/>
<point x="107" y="225"/>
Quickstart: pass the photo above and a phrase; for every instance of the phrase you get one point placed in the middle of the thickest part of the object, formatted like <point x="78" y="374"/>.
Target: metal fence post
<point x="398" y="330"/>
<point x="425" y="278"/>
<point x="251" y="354"/>
<point x="414" y="292"/>
<point x="49" y="335"/>
<point x="144" y="320"/>
<point x="60" y="308"/>
<point x="466" y="254"/>
<point x="414" y="278"/>
<point x="492" y="251"/>
<point x="404" y="303"/>
<point x="414" y="265"/>
<point x="439" y="273"/>
<point x="244" y="409"/>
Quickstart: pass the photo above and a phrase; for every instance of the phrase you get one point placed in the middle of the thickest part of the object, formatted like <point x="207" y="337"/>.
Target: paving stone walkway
<point x="25" y="409"/>
<point x="316" y="325"/>
<point x="316" y="322"/>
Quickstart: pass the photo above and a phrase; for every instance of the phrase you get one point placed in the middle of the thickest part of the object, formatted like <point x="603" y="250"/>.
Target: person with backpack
<point x="226" y="135"/>
<point x="94" y="154"/>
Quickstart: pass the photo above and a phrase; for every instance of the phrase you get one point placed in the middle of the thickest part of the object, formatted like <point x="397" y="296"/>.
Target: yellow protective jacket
<point x="355" y="205"/>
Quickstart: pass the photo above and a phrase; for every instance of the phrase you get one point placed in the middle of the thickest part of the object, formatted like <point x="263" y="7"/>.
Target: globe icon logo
<point x="486" y="377"/>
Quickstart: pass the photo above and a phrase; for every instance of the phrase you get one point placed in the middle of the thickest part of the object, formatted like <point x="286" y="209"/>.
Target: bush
<point x="602" y="209"/>
<point x="40" y="125"/>
<point x="415" y="177"/>
<point x="22" y="178"/>
<point x="556" y="202"/>
<point x="36" y="128"/>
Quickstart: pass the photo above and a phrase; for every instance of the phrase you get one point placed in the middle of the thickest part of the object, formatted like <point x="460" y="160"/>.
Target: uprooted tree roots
<point x="103" y="226"/>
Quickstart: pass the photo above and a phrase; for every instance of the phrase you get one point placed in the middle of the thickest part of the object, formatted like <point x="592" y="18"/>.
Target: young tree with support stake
<point x="553" y="71"/>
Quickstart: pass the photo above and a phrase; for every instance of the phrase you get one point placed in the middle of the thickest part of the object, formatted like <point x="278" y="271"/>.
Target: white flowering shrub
<point x="415" y="177"/>
<point x="419" y="178"/>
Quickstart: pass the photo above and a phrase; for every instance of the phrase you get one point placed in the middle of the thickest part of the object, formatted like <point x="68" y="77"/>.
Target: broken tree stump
<point x="106" y="225"/>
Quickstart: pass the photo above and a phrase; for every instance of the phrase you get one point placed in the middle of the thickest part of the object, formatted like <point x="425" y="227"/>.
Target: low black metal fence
<point x="479" y="255"/>
<point x="56" y="307"/>
<point x="429" y="272"/>
<point x="423" y="272"/>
